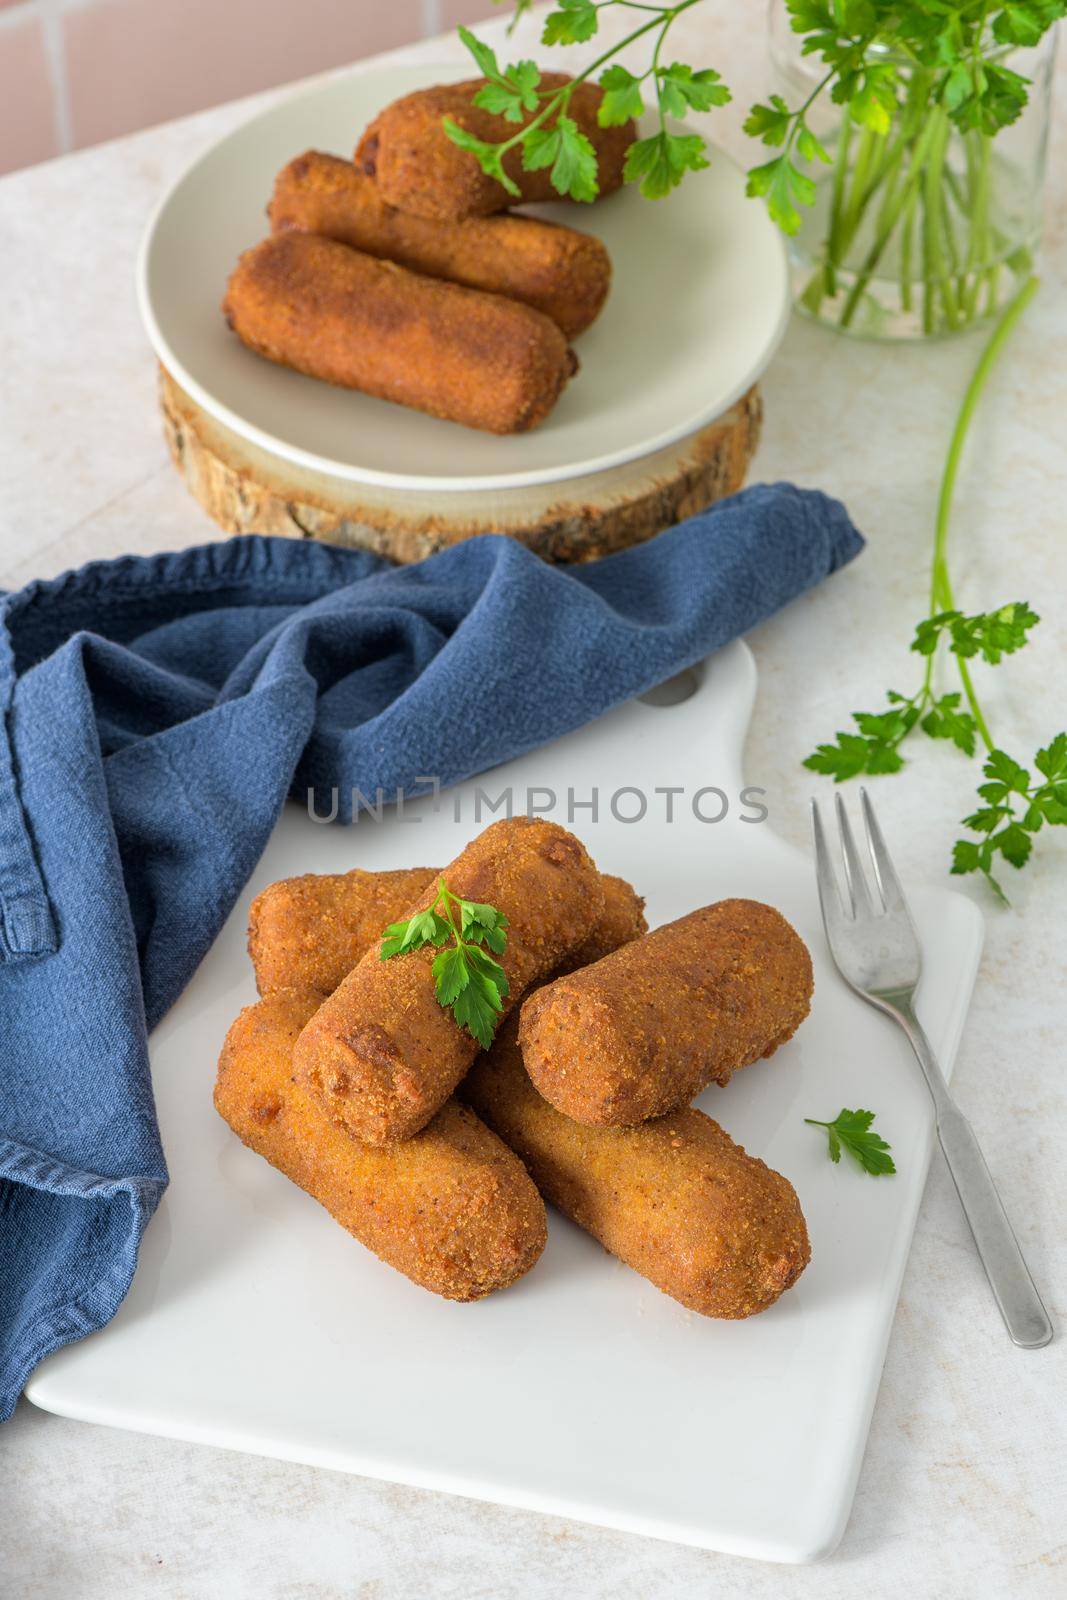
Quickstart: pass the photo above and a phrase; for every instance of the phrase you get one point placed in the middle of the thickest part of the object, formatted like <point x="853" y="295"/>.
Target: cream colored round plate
<point x="698" y="304"/>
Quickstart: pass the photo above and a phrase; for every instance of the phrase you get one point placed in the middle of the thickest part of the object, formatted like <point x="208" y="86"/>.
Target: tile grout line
<point x="14" y="16"/>
<point x="432" y="22"/>
<point x="56" y="57"/>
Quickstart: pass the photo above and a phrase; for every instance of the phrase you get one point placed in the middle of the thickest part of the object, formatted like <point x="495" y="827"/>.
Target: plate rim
<point x="416" y="482"/>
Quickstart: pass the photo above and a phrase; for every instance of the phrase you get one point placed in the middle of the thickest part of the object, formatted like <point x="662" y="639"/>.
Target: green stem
<point x="907" y="228"/>
<point x="889" y="222"/>
<point x="941" y="594"/>
<point x="662" y="18"/>
<point x="933" y="212"/>
<point x="864" y="183"/>
<point x="834" y="252"/>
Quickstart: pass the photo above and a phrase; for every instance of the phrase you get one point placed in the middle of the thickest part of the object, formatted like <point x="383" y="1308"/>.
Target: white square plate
<point x="255" y="1322"/>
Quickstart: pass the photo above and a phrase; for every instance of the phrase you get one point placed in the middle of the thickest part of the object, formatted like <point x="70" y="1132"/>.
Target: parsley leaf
<point x="874" y="97"/>
<point x="476" y="1008"/>
<point x="1052" y="761"/>
<point x="569" y="153"/>
<point x="484" y="925"/>
<point x="769" y="122"/>
<point x="1008" y="832"/>
<point x="622" y="97"/>
<point x="660" y="162"/>
<point x="514" y="94"/>
<point x="452" y="974"/>
<point x="874" y="749"/>
<point x="783" y="186"/>
<point x="426" y="927"/>
<point x="484" y="55"/>
<point x="990" y="634"/>
<point x="945" y="721"/>
<point x="467" y="980"/>
<point x="573" y="22"/>
<point x="488" y="155"/>
<point x="852" y="1130"/>
<point x="681" y="90"/>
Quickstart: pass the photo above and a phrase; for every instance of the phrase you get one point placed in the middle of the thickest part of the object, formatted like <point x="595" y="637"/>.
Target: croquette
<point x="381" y="1054"/>
<point x="639" y="1033"/>
<point x="452" y="1209"/>
<point x="349" y="319"/>
<point x="309" y="932"/>
<point x="418" y="169"/>
<point x="675" y="1198"/>
<point x="559" y="271"/>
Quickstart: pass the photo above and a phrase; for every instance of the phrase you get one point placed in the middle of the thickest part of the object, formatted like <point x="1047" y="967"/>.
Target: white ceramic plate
<point x="699" y="302"/>
<point x="255" y="1322"/>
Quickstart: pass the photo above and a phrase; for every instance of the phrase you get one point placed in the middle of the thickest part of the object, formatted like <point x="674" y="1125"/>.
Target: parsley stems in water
<point x="468" y="981"/>
<point x="1015" y="805"/>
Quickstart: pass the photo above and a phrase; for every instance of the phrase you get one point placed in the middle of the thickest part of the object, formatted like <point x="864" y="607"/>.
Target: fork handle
<point x="1021" y="1306"/>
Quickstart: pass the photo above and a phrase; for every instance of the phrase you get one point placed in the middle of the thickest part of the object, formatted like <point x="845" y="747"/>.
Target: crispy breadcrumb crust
<point x="452" y="1209"/>
<point x="419" y="170"/>
<point x="349" y="319"/>
<point x="309" y="932"/>
<point x="381" y="1054"/>
<point x="641" y="1032"/>
<point x="557" y="270"/>
<point x="675" y="1198"/>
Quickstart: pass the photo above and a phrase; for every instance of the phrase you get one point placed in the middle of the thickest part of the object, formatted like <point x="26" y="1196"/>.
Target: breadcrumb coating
<point x="452" y="1209"/>
<point x="309" y="932"/>
<point x="675" y="1198"/>
<point x="643" y="1031"/>
<point x="557" y="270"/>
<point x="381" y="1054"/>
<point x="418" y="169"/>
<point x="349" y="319"/>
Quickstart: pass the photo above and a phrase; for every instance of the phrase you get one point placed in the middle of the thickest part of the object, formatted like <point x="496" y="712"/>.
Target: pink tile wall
<point x="74" y="72"/>
<point x="135" y="62"/>
<point x="27" y="118"/>
<point x="453" y="12"/>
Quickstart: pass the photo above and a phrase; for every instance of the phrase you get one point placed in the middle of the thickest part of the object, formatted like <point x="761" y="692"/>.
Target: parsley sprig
<point x="468" y="982"/>
<point x="551" y="138"/>
<point x="852" y="1129"/>
<point x="875" y="747"/>
<point x="860" y="43"/>
<point x="1015" y="805"/>
<point x="863" y="44"/>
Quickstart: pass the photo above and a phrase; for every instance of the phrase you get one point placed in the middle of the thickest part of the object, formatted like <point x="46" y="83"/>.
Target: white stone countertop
<point x="964" y="1486"/>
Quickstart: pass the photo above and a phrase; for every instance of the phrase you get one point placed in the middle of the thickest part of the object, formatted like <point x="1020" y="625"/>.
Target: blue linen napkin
<point x="157" y="714"/>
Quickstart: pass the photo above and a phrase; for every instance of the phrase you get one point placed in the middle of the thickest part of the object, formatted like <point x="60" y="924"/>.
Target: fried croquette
<point x="564" y="273"/>
<point x="675" y="1199"/>
<point x="309" y="932"/>
<point x="452" y="1209"/>
<point x="622" y="918"/>
<point x="381" y="1054"/>
<point x="345" y="317"/>
<point x="418" y="169"/>
<point x="642" y="1031"/>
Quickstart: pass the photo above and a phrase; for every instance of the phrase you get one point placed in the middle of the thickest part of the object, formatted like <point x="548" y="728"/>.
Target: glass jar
<point x="924" y="230"/>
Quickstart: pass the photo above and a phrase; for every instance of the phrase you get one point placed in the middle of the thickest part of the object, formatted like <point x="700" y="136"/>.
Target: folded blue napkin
<point x="157" y="712"/>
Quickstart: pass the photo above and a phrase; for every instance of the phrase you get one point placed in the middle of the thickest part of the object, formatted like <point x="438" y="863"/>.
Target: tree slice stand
<point x="245" y="489"/>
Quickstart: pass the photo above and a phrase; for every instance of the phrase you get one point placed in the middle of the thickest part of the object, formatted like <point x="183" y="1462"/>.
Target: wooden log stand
<point x="247" y="490"/>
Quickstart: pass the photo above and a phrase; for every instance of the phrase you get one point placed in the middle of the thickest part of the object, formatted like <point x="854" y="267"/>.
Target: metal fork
<point x="876" y="947"/>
